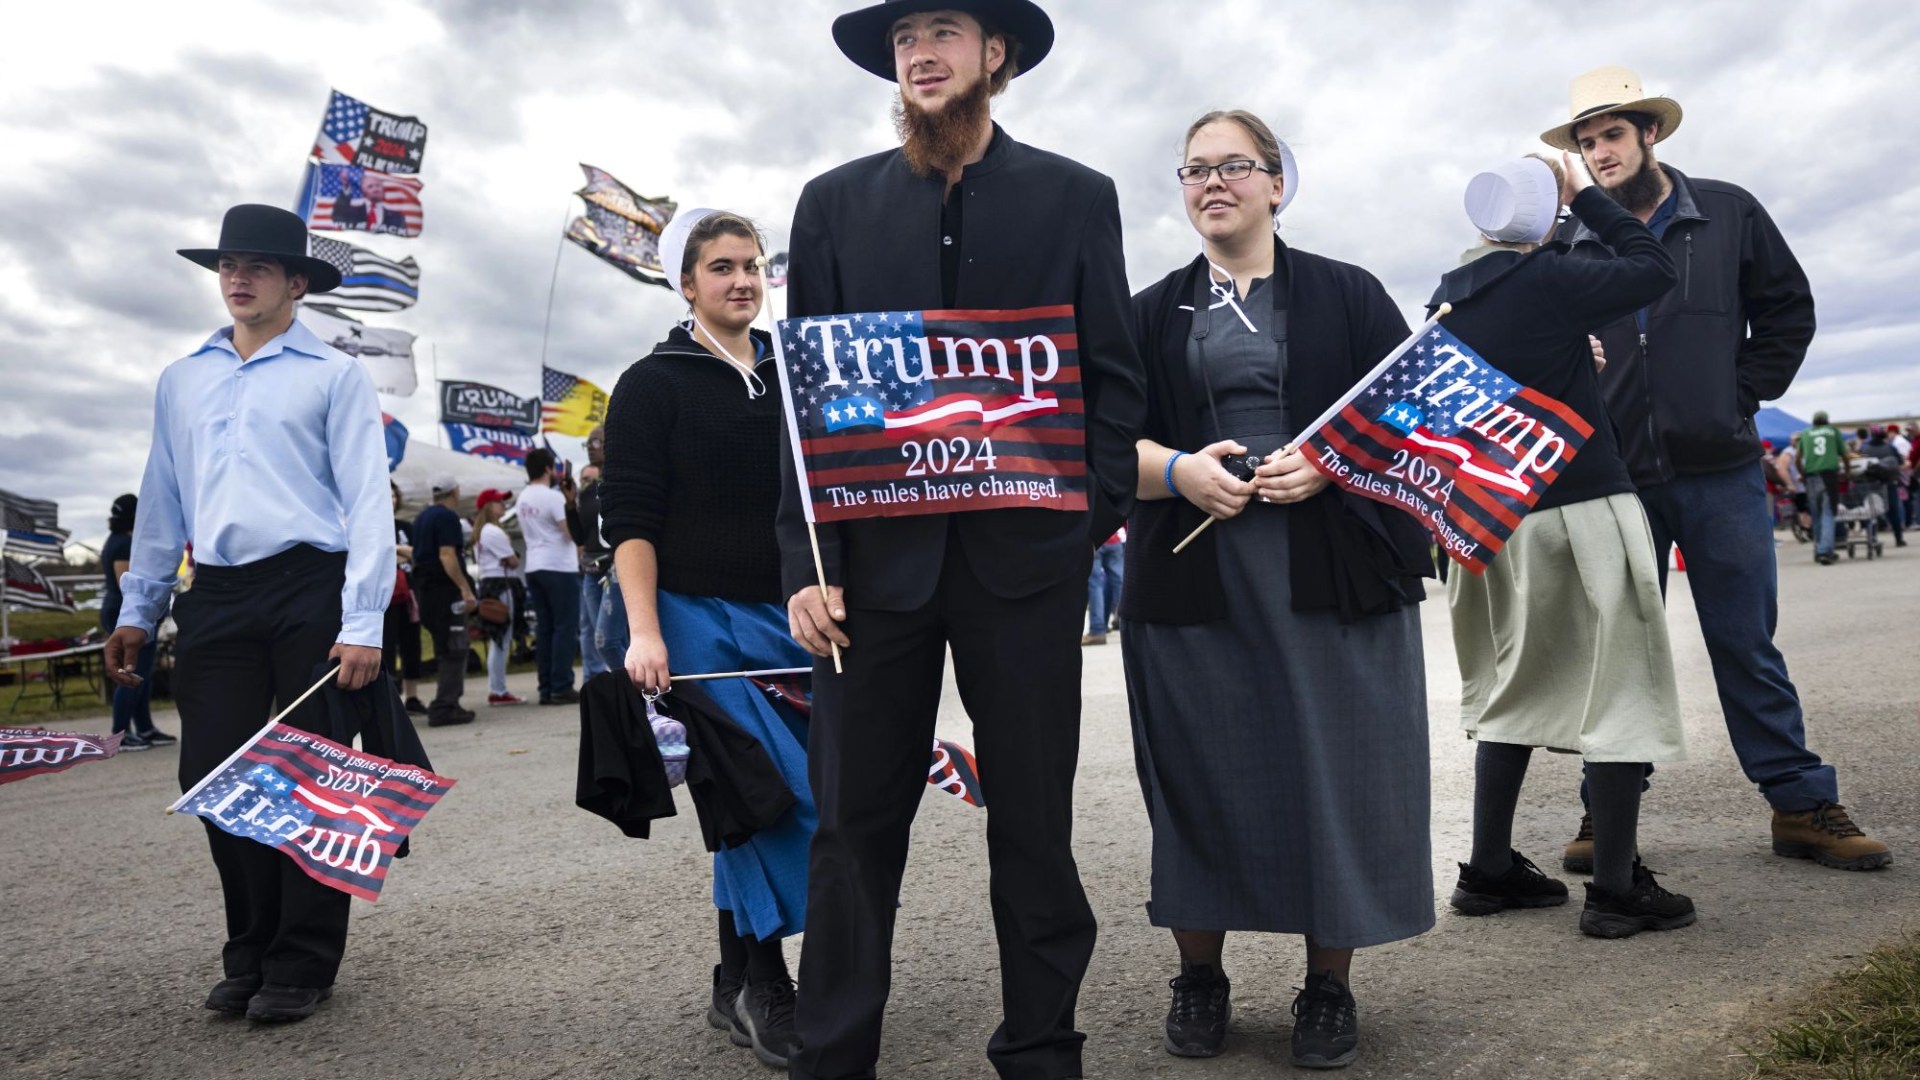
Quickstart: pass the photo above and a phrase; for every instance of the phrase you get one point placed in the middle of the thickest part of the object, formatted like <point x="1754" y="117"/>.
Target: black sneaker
<point x="156" y="737"/>
<point x="450" y="718"/>
<point x="1326" y="1025"/>
<point x="720" y="1011"/>
<point x="1202" y="1005"/>
<point x="231" y="995"/>
<point x="415" y="707"/>
<point x="1646" y="906"/>
<point x="564" y="697"/>
<point x="1522" y="886"/>
<point x="133" y="741"/>
<point x="765" y="1010"/>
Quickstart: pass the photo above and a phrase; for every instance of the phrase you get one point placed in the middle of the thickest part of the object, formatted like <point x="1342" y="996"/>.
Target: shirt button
<point x="233" y="416"/>
<point x="237" y="374"/>
<point x="947" y="240"/>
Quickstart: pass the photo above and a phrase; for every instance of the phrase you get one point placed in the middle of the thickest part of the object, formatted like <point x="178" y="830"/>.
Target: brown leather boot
<point x="1829" y="837"/>
<point x="1578" y="858"/>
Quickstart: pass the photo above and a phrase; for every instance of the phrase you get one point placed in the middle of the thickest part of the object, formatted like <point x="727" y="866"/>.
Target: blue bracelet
<point x="1177" y="455"/>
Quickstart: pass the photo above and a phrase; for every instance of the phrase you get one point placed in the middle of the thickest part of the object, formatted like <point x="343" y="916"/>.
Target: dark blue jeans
<point x="130" y="709"/>
<point x="555" y="595"/>
<point x="1103" y="585"/>
<point x="1720" y="521"/>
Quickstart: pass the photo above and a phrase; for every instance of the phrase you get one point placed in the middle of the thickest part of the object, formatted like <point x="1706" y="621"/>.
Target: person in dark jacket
<point x="1274" y="671"/>
<point x="960" y="216"/>
<point x="1684" y="377"/>
<point x="1561" y="641"/>
<point x="132" y="714"/>
<point x="687" y="501"/>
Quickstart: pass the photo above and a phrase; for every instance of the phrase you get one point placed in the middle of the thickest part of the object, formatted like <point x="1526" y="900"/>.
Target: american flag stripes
<point x="368" y="282"/>
<point x="338" y="813"/>
<point x="343" y="197"/>
<point x="926" y="412"/>
<point x="1440" y="432"/>
<point x="354" y="133"/>
<point x="28" y="752"/>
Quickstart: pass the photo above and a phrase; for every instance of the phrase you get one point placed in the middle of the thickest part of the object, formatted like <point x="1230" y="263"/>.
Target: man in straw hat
<point x="960" y="216"/>
<point x="1684" y="377"/>
<point x="268" y="454"/>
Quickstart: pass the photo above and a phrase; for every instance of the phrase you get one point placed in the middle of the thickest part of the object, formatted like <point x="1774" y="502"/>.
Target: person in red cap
<point x="493" y="549"/>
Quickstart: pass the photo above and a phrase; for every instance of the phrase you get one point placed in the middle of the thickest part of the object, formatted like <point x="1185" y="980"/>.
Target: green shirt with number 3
<point x="1820" y="449"/>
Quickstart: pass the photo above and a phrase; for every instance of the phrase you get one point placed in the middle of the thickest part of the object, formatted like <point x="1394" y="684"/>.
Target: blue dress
<point x="764" y="881"/>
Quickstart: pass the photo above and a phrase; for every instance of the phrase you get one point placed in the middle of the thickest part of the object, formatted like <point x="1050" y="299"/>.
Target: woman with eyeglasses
<point x="687" y="501"/>
<point x="1274" y="667"/>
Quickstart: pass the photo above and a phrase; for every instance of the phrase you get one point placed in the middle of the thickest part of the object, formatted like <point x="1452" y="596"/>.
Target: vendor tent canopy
<point x="1777" y="426"/>
<point x="424" y="461"/>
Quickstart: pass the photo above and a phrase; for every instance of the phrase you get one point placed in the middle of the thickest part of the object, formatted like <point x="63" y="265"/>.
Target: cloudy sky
<point x="133" y="127"/>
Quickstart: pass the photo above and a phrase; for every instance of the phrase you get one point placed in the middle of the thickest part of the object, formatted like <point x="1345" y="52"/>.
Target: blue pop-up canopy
<point x="1777" y="425"/>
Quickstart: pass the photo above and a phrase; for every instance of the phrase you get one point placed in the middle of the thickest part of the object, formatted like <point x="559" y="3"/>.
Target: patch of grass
<point x="1861" y="1025"/>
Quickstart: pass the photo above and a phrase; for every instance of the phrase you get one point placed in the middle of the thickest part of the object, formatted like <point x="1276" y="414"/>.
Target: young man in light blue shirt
<point x="268" y="457"/>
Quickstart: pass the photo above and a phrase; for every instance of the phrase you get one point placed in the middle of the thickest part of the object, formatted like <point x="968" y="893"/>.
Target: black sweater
<point x="693" y="467"/>
<point x="1350" y="555"/>
<point x="1529" y="315"/>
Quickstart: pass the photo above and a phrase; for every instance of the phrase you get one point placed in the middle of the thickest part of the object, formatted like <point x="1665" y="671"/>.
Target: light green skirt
<point x="1562" y="642"/>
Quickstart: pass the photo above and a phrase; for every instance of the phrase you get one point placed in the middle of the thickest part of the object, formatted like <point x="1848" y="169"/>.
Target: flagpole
<point x="741" y="674"/>
<point x="439" y="428"/>
<point x="552" y="282"/>
<point x="257" y="736"/>
<point x="1334" y="409"/>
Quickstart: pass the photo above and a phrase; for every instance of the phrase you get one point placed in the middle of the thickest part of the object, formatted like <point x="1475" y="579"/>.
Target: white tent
<point x="424" y="461"/>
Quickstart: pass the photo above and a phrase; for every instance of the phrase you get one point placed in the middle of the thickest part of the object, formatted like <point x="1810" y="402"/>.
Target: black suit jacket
<point x="1037" y="229"/>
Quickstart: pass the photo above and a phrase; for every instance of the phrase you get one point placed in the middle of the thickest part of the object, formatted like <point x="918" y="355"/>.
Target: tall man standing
<point x="268" y="455"/>
<point x="553" y="575"/>
<point x="1683" y="380"/>
<point x="959" y="217"/>
<point x="440" y="572"/>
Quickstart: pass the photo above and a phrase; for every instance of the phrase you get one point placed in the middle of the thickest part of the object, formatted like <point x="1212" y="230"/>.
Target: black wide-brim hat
<point x="253" y="229"/>
<point x="863" y="34"/>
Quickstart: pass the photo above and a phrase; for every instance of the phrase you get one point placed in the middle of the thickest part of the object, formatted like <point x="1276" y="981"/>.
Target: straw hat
<point x="1611" y="90"/>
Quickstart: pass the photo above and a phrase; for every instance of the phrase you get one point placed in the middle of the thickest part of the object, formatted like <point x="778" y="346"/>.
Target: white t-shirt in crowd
<point x="543" y="522"/>
<point x="491" y="549"/>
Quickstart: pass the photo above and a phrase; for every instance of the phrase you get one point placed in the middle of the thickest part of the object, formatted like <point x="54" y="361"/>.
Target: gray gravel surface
<point x="528" y="939"/>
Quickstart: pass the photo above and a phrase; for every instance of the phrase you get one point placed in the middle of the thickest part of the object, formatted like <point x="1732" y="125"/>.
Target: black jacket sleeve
<point x="1590" y="293"/>
<point x="812" y="289"/>
<point x="1110" y="370"/>
<point x="1778" y="303"/>
<point x="638" y="471"/>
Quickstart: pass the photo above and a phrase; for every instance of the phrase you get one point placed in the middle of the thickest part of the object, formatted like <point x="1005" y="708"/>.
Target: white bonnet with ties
<point x="1514" y="203"/>
<point x="673" y="241"/>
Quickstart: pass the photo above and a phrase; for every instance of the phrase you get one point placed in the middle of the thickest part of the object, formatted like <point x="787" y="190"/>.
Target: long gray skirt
<point x="1283" y="757"/>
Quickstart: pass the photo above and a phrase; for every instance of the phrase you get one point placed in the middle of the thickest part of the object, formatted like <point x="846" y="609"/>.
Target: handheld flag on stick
<point x="952" y="770"/>
<point x="569" y="404"/>
<point x="338" y="813"/>
<point x="28" y="752"/>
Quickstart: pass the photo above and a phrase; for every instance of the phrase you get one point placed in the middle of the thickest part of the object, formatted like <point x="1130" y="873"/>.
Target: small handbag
<point x="492" y="610"/>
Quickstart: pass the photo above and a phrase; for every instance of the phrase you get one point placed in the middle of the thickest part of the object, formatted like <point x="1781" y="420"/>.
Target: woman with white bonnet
<point x="1562" y="642"/>
<point x="687" y="500"/>
<point x="1274" y="669"/>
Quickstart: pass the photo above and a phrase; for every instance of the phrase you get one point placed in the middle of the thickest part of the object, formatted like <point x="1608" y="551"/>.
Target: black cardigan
<point x="1350" y="555"/>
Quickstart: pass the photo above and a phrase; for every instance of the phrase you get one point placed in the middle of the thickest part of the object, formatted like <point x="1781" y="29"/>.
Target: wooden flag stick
<point x="1334" y="409"/>
<point x="235" y="756"/>
<point x="741" y="674"/>
<point x="820" y="571"/>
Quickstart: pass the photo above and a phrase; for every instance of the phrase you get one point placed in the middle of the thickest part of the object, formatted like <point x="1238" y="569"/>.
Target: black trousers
<point x="450" y="645"/>
<point x="1017" y="666"/>
<point x="400" y="640"/>
<point x="250" y="639"/>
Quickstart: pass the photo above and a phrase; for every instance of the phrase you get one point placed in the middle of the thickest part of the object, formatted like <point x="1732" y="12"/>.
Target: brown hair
<point x="1554" y="167"/>
<point x="711" y="228"/>
<point x="1010" y="66"/>
<point x="1264" y="142"/>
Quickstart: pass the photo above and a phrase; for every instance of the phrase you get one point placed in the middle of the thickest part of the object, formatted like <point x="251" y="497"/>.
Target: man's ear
<point x="299" y="290"/>
<point x="996" y="50"/>
<point x="1652" y="134"/>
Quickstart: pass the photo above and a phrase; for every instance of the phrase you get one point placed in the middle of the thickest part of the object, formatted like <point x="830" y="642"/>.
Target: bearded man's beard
<point x="1640" y="192"/>
<point x="936" y="143"/>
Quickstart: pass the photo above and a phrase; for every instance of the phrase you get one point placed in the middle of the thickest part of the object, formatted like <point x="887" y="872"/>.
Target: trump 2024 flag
<point x="1438" y="431"/>
<point x="338" y="813"/>
<point x="28" y="752"/>
<point x="933" y="412"/>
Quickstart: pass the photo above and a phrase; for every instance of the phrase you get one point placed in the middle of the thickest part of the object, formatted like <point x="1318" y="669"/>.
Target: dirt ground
<point x="527" y="939"/>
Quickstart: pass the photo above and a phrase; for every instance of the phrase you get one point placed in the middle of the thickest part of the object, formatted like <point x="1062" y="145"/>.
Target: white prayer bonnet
<point x="1290" y="179"/>
<point x="1515" y="203"/>
<point x="673" y="241"/>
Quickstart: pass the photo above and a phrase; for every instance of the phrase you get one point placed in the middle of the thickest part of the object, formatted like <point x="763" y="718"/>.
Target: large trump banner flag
<point x="930" y="412"/>
<point x="1438" y="431"/>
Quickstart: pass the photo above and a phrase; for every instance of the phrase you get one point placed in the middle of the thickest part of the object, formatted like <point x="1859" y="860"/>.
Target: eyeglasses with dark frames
<point x="1239" y="169"/>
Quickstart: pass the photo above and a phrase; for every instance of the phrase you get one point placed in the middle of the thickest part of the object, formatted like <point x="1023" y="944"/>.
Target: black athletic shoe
<point x="232" y="994"/>
<point x="766" y="1012"/>
<point x="132" y="742"/>
<point x="156" y="737"/>
<point x="415" y="707"/>
<point x="274" y="1004"/>
<point x="564" y="697"/>
<point x="1646" y="906"/>
<point x="720" y="1011"/>
<point x="1202" y="1005"/>
<point x="1522" y="886"/>
<point x="450" y="719"/>
<point x="1326" y="1025"/>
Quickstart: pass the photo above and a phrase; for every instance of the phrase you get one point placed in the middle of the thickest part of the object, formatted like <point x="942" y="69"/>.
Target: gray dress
<point x="1283" y="756"/>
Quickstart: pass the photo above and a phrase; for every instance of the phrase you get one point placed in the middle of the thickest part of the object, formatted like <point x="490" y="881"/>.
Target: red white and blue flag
<point x="28" y="752"/>
<point x="508" y="446"/>
<point x="929" y="412"/>
<point x="347" y="197"/>
<point x="338" y="813"/>
<point x="952" y="768"/>
<point x="1440" y="432"/>
<point x="354" y="133"/>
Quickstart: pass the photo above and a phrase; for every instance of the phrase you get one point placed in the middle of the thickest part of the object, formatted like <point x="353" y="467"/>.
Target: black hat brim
<point x="862" y="35"/>
<point x="322" y="276"/>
